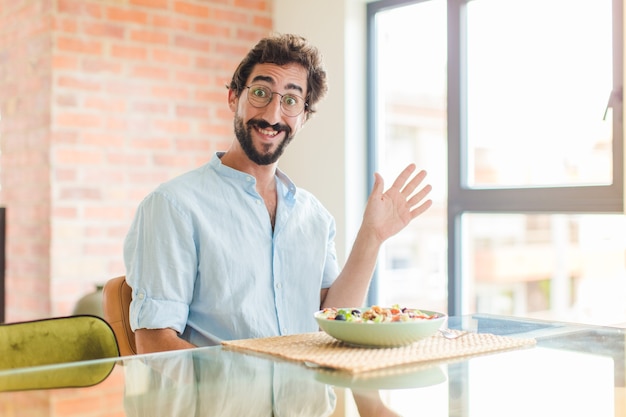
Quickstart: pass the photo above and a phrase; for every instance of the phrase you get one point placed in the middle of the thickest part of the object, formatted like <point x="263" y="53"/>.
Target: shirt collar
<point x="229" y="172"/>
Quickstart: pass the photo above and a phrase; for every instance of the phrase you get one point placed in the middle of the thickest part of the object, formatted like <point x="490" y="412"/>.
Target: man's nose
<point x="273" y="112"/>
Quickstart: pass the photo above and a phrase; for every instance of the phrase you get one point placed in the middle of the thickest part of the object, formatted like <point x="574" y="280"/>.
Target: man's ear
<point x="232" y="100"/>
<point x="303" y="121"/>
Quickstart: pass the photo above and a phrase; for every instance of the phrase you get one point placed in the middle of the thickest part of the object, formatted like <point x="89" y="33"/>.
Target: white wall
<point x="328" y="156"/>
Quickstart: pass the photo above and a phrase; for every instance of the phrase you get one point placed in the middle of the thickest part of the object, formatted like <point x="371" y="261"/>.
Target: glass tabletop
<point x="574" y="370"/>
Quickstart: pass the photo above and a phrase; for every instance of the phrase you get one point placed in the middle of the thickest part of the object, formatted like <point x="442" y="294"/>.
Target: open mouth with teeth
<point x="267" y="132"/>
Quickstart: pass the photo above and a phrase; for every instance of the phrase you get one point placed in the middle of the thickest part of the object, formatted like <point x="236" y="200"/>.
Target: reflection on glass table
<point x="574" y="370"/>
<point x="222" y="383"/>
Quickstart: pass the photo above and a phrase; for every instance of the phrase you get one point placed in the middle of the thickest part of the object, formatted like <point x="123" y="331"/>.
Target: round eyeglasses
<point x="260" y="96"/>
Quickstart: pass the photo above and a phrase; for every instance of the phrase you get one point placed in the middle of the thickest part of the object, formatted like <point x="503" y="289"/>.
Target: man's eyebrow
<point x="292" y="86"/>
<point x="270" y="80"/>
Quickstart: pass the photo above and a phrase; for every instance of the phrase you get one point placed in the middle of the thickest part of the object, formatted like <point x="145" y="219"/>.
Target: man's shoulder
<point x="306" y="198"/>
<point x="194" y="178"/>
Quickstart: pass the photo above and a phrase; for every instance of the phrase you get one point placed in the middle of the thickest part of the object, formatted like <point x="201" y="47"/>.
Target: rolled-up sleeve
<point x="161" y="264"/>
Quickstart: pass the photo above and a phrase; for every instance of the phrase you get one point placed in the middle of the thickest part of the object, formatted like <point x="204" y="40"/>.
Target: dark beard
<point x="244" y="136"/>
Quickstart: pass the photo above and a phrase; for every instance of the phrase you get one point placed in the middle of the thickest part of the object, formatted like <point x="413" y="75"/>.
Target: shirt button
<point x="279" y="285"/>
<point x="284" y="330"/>
<point x="258" y="202"/>
<point x="248" y="179"/>
<point x="141" y="296"/>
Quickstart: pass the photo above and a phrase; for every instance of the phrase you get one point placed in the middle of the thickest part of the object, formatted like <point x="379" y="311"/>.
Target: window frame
<point x="588" y="199"/>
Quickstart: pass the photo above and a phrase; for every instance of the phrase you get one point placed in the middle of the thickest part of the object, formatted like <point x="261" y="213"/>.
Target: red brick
<point x="81" y="193"/>
<point x="190" y="42"/>
<point x="149" y="36"/>
<point x="129" y="52"/>
<point x="170" y="22"/>
<point x="126" y="15"/>
<point x="231" y="49"/>
<point x="201" y="112"/>
<point x="260" y="5"/>
<point x="172" y="57"/>
<point x="150" y="72"/>
<point x="65" y="212"/>
<point x="211" y="96"/>
<point x="75" y="83"/>
<point x="150" y="107"/>
<point x="171" y="160"/>
<point x="199" y="78"/>
<point x="217" y="64"/>
<point x="78" y="8"/>
<point x="116" y="124"/>
<point x="65" y="174"/>
<point x="172" y="126"/>
<point x="102" y="212"/>
<point x="251" y="35"/>
<point x="125" y="159"/>
<point x="264" y="22"/>
<point x="97" y="65"/>
<point x="152" y="143"/>
<point x="126" y="87"/>
<point x="108" y="174"/>
<point x="159" y="4"/>
<point x="69" y="25"/>
<point x="111" y="105"/>
<point x="201" y="145"/>
<point x="78" y="120"/>
<point x="66" y="100"/>
<point x="170" y="92"/>
<point x="213" y="29"/>
<point x="231" y="16"/>
<point x="109" y="30"/>
<point x="191" y="9"/>
<point x="213" y="129"/>
<point x="78" y="157"/>
<point x="64" y="62"/>
<point x="100" y="249"/>
<point x="79" y="46"/>
<point x="102" y="140"/>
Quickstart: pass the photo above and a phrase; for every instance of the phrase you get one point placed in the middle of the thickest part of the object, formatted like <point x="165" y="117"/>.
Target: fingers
<point x="415" y="200"/>
<point x="419" y="196"/>
<point x="416" y="211"/>
<point x="406" y="186"/>
<point x="400" y="182"/>
<point x="412" y="185"/>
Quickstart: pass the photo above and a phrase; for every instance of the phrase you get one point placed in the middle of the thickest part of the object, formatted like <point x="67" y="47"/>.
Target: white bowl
<point x="385" y="334"/>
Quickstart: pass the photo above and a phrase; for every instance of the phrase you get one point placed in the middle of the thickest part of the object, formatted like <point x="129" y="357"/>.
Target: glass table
<point x="573" y="370"/>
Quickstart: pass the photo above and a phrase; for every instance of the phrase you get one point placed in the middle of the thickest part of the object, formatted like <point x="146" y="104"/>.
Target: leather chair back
<point x="116" y="297"/>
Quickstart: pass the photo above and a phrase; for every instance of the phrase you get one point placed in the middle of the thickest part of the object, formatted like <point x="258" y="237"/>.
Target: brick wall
<point x="25" y="94"/>
<point x="101" y="100"/>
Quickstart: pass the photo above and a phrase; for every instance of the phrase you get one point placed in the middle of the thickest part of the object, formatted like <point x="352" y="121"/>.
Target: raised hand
<point x="389" y="212"/>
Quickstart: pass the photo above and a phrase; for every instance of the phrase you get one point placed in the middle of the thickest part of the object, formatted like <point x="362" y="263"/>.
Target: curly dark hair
<point x="283" y="49"/>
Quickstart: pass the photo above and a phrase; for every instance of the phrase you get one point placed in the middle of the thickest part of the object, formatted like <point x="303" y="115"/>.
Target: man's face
<point x="264" y="132"/>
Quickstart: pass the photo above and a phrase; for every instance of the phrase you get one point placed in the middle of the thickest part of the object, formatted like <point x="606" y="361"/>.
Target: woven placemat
<point x="323" y="350"/>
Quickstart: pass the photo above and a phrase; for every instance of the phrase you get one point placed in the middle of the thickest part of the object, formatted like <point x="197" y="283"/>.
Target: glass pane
<point x="539" y="78"/>
<point x="411" y="115"/>
<point x="554" y="266"/>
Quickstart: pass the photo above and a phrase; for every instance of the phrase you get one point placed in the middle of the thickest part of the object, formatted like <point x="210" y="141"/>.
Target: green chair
<point x="28" y="349"/>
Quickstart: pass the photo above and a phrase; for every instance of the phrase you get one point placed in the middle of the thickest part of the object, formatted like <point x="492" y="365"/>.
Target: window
<point x="516" y="113"/>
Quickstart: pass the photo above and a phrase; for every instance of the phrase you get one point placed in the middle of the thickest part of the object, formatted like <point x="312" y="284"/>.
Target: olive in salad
<point x="376" y="314"/>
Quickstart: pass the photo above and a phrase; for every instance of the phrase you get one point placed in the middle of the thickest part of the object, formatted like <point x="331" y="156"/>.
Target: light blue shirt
<point x="202" y="258"/>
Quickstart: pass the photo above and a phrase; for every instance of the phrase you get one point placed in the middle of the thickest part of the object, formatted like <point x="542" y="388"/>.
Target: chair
<point x="29" y="348"/>
<point x="116" y="297"/>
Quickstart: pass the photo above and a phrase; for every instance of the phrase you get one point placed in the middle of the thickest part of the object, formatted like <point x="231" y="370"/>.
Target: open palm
<point x="389" y="212"/>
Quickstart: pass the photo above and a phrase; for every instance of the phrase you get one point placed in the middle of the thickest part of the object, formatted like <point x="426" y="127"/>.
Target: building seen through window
<point x="533" y="119"/>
